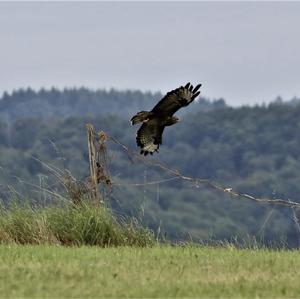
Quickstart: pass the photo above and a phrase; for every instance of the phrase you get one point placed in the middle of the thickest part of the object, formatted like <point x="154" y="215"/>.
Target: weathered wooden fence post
<point x="93" y="166"/>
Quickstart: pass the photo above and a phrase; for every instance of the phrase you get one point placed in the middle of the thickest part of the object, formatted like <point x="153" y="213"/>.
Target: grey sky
<point x="246" y="52"/>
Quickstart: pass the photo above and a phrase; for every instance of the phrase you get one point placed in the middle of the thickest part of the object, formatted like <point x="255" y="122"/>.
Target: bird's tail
<point x="142" y="116"/>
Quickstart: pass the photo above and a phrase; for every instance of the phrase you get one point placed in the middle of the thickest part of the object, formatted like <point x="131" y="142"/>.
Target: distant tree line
<point x="255" y="150"/>
<point x="56" y="103"/>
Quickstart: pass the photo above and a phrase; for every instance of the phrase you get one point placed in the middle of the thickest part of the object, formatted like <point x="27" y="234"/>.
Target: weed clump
<point x="70" y="225"/>
<point x="81" y="218"/>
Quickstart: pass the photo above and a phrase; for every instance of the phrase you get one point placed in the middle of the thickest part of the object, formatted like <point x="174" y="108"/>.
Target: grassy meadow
<point x="43" y="271"/>
<point x="84" y="251"/>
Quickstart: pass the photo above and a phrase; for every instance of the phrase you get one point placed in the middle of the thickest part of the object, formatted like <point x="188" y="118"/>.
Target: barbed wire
<point x="199" y="181"/>
<point x="147" y="183"/>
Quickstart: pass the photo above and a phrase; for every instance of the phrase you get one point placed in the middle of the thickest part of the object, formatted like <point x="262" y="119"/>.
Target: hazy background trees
<point x="255" y="150"/>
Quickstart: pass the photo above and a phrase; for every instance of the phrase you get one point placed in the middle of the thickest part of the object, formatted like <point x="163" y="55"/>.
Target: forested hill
<point x="255" y="150"/>
<point x="53" y="103"/>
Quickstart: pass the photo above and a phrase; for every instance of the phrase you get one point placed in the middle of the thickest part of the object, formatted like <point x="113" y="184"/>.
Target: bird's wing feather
<point x="149" y="137"/>
<point x="176" y="99"/>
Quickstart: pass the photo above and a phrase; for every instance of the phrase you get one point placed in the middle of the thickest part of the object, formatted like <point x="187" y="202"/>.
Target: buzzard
<point x="149" y="135"/>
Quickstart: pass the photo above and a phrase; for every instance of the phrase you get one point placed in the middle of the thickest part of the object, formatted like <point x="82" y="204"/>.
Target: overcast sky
<point x="245" y="52"/>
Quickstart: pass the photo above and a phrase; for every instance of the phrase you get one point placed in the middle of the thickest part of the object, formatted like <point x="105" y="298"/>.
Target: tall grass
<point x="70" y="225"/>
<point x="75" y="219"/>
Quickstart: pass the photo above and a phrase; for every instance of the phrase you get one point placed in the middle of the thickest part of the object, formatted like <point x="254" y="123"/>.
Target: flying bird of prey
<point x="149" y="135"/>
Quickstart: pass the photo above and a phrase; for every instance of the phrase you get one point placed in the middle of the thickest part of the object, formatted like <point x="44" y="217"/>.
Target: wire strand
<point x="200" y="181"/>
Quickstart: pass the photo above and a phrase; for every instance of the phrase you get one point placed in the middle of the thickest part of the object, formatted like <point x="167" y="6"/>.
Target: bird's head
<point x="175" y="119"/>
<point x="172" y="120"/>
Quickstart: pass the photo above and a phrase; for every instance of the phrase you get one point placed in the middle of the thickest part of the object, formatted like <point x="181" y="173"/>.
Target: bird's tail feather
<point x="140" y="117"/>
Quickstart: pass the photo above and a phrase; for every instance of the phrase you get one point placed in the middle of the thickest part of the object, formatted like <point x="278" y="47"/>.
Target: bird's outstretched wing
<point x="176" y="99"/>
<point x="149" y="137"/>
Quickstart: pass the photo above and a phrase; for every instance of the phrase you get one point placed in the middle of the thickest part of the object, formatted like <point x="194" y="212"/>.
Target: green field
<point x="81" y="272"/>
